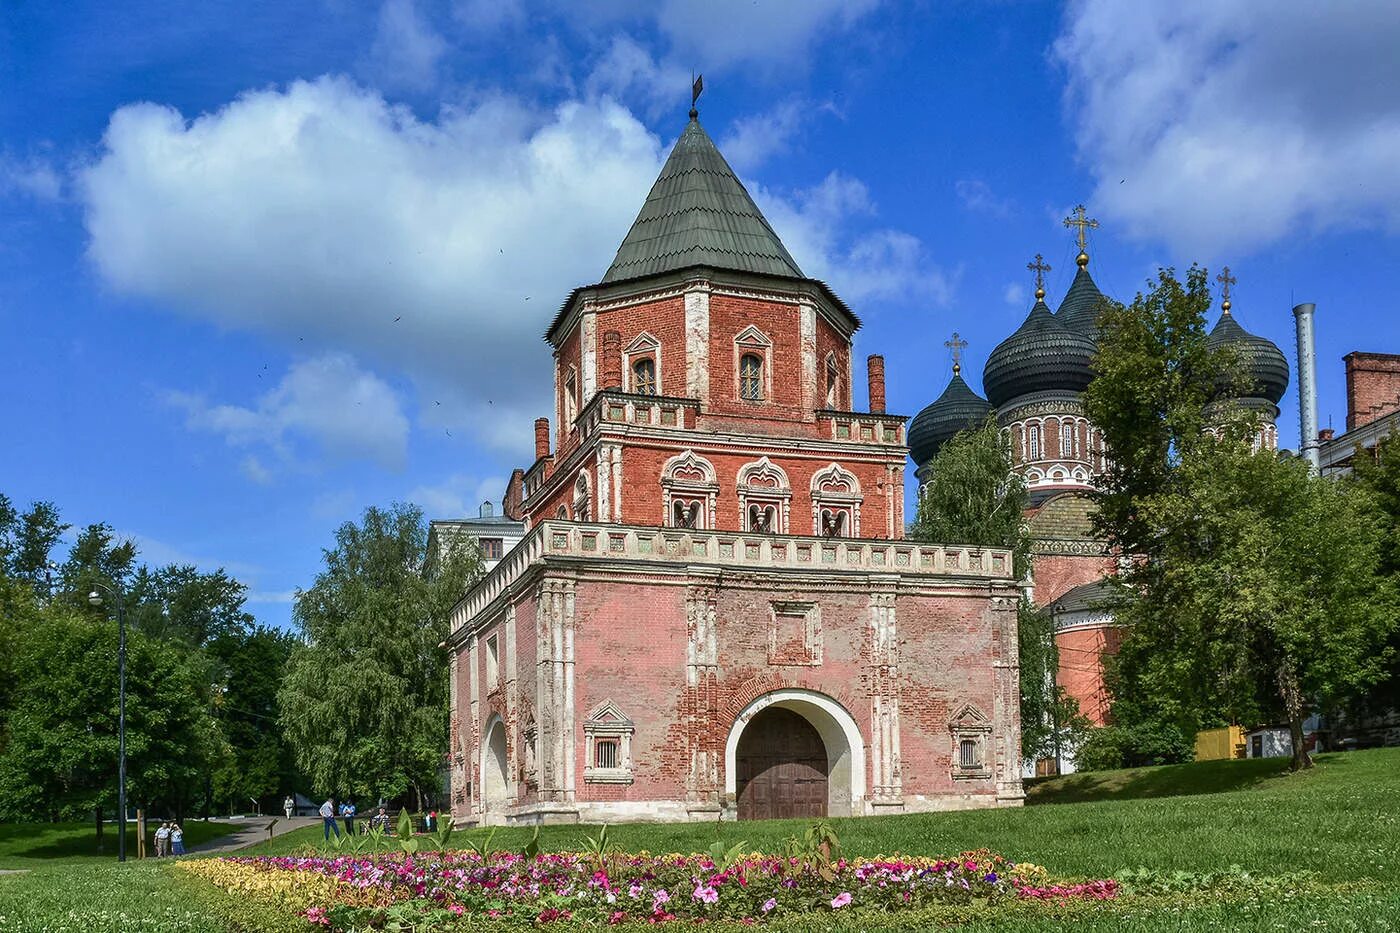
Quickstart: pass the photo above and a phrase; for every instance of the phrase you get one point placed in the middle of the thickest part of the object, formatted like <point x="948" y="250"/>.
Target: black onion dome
<point x="1042" y="356"/>
<point x="1264" y="363"/>
<point x="957" y="409"/>
<point x="1079" y="311"/>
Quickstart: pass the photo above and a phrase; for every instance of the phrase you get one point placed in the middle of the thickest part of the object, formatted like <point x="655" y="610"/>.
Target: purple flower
<point x="841" y="900"/>
<point x="770" y="904"/>
<point x="705" y="894"/>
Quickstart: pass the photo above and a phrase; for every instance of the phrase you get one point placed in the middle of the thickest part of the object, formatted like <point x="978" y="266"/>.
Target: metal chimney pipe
<point x="1307" y="386"/>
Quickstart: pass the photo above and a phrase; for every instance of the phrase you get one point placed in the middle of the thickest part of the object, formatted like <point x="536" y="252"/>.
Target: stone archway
<point x="825" y="729"/>
<point x="494" y="773"/>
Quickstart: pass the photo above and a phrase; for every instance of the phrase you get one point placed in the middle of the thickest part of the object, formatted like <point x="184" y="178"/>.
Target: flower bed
<point x="357" y="891"/>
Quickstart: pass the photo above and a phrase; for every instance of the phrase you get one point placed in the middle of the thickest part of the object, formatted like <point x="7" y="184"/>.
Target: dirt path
<point x="253" y="830"/>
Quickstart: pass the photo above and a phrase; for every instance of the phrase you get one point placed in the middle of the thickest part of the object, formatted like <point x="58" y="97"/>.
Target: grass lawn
<point x="1340" y="821"/>
<point x="31" y="845"/>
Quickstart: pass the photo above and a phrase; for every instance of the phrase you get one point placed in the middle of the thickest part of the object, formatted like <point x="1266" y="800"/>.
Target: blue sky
<point x="264" y="264"/>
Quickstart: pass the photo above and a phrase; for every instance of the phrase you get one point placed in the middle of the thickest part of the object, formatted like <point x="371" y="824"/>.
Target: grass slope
<point x="1341" y="820"/>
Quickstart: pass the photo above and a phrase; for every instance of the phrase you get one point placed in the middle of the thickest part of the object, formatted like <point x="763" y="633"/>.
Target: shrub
<point x="1133" y="746"/>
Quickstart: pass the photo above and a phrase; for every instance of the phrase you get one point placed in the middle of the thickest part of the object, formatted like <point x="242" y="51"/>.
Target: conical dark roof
<point x="1080" y="308"/>
<point x="1263" y="362"/>
<point x="956" y="409"/>
<point x="699" y="214"/>
<point x="1042" y="356"/>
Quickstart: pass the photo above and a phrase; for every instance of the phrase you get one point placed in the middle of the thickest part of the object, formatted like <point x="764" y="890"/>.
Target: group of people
<point x="170" y="839"/>
<point x="348" y="813"/>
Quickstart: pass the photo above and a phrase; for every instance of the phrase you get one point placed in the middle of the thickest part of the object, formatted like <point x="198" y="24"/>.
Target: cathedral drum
<point x="782" y="768"/>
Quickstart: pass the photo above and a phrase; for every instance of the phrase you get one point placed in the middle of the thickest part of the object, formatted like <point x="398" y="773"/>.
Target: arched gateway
<point x="795" y="753"/>
<point x="494" y="773"/>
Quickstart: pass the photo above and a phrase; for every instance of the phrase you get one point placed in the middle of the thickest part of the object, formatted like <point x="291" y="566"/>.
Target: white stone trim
<point x="706" y="488"/>
<point x="777" y="493"/>
<point x="642" y="345"/>
<point x="697" y="343"/>
<point x="845" y="747"/>
<point x="588" y="354"/>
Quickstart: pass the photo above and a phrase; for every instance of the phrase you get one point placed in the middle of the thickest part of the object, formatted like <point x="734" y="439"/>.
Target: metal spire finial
<point x="696" y="87"/>
<point x="1077" y="219"/>
<point x="1226" y="280"/>
<point x="956" y="344"/>
<point x="1039" y="267"/>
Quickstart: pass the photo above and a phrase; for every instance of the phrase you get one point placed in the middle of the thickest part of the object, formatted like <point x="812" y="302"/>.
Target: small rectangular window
<point x="605" y="753"/>
<point x="967" y="753"/>
<point x="492" y="548"/>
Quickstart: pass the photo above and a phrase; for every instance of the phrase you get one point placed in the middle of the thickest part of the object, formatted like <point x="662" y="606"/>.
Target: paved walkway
<point x="252" y="830"/>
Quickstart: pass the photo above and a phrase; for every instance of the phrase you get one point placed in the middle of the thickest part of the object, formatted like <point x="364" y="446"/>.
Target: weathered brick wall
<point x="663" y="319"/>
<point x="1373" y="387"/>
<point x="1057" y="574"/>
<point x="830" y="341"/>
<point x="1081" y="668"/>
<point x="780" y="323"/>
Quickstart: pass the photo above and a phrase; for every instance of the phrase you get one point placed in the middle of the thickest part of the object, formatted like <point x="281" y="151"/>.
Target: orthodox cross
<point x="956" y="344"/>
<point x="1039" y="267"/>
<point x="1226" y="280"/>
<point x="1077" y="219"/>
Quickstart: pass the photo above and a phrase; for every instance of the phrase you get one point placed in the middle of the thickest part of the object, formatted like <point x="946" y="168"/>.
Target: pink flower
<point x="457" y="910"/>
<point x="770" y="904"/>
<point x="841" y="900"/>
<point x="317" y="915"/>
<point x="705" y="894"/>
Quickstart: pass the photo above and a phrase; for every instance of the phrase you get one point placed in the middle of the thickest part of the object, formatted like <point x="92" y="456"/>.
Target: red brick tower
<point x="713" y="611"/>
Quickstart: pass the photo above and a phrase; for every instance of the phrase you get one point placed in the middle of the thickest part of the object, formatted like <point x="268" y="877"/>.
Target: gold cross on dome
<point x="1077" y="219"/>
<point x="956" y="344"/>
<point x="1039" y="267"/>
<point x="1226" y="280"/>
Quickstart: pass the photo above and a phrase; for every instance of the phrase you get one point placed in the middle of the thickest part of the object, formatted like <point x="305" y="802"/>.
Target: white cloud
<point x="32" y="177"/>
<point x="755" y="139"/>
<point x="1214" y="125"/>
<point x="817" y="226"/>
<point x="264" y="597"/>
<point x="627" y="71"/>
<point x="724" y="32"/>
<point x="1015" y="294"/>
<point x="977" y="196"/>
<point x="458" y="496"/>
<point x="439" y="248"/>
<point x="348" y="412"/>
<point x="406" y="48"/>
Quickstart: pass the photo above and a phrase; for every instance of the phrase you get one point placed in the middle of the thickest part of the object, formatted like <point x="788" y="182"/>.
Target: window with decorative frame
<point x="836" y="500"/>
<point x="765" y="497"/>
<point x="562" y="512"/>
<point x="753" y="371"/>
<point x="833" y="382"/>
<point x="492" y="548"/>
<point x="1033" y="442"/>
<point x="1066" y="438"/>
<point x="569" y="406"/>
<point x="607" y="736"/>
<point x="642" y="364"/>
<point x="689" y="491"/>
<point x="971" y="735"/>
<point x="582" y="499"/>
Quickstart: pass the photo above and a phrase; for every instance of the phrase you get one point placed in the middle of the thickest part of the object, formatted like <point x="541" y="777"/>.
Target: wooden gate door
<point x="782" y="769"/>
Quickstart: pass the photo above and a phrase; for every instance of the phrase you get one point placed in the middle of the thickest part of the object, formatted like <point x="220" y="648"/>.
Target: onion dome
<point x="1042" y="356"/>
<point x="1079" y="311"/>
<point x="1264" y="364"/>
<point x="957" y="409"/>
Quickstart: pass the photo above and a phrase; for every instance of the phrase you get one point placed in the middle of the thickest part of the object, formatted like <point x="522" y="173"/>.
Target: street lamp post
<point x="95" y="599"/>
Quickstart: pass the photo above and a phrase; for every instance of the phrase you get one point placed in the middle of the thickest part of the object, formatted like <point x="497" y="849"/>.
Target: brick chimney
<point x="612" y="360"/>
<point x="875" y="367"/>
<point x="1326" y="434"/>
<point x="541" y="438"/>
<point x="1373" y="387"/>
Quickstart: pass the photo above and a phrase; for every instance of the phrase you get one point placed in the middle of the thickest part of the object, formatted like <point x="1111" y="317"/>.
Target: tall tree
<point x="974" y="497"/>
<point x="364" y="701"/>
<point x="1378" y="471"/>
<point x="1252" y="594"/>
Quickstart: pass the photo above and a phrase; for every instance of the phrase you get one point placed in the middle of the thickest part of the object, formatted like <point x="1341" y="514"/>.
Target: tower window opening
<point x="644" y="377"/>
<point x="751" y="377"/>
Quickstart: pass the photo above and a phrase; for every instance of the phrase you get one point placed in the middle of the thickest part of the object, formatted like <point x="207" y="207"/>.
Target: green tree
<point x="974" y="497"/>
<point x="364" y="701"/>
<point x="1252" y="594"/>
<point x="61" y="758"/>
<point x="1378" y="472"/>
<point x="247" y="670"/>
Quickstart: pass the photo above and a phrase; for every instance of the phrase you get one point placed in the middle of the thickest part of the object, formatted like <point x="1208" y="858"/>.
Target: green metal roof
<point x="698" y="214"/>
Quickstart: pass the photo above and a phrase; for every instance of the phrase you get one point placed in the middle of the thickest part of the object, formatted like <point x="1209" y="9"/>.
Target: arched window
<point x="1066" y="439"/>
<point x="570" y="399"/>
<point x="582" y="499"/>
<point x="644" y="377"/>
<point x="833" y="382"/>
<point x="1033" y="442"/>
<point x="689" y="489"/>
<point x="751" y="377"/>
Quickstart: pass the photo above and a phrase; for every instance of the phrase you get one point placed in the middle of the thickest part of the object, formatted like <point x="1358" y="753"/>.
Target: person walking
<point x="162" y="839"/>
<point x="289" y="806"/>
<point x="328" y="822"/>
<point x="347" y="813"/>
<point x="177" y="839"/>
